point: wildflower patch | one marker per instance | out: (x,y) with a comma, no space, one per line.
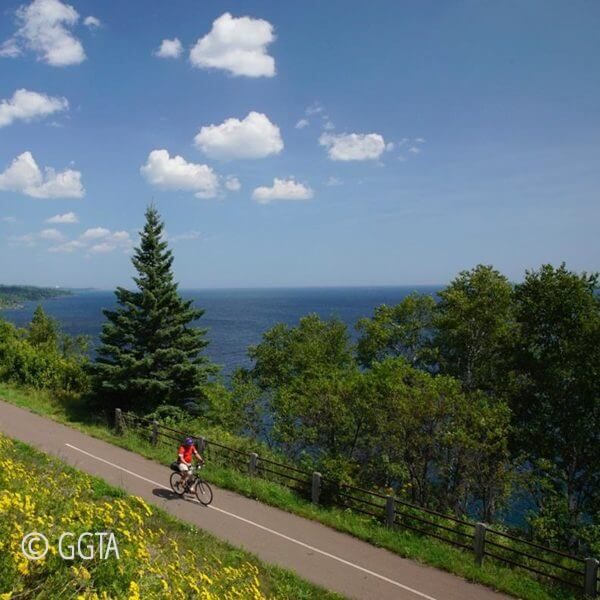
(152,556)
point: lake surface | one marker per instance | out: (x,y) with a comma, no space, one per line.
(235,318)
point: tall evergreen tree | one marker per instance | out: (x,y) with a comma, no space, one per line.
(150,353)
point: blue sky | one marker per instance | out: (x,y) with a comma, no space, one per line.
(440,135)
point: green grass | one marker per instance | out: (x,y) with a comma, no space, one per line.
(429,551)
(200,549)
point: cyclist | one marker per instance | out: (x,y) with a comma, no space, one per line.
(186,452)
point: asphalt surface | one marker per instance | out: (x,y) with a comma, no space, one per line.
(317,553)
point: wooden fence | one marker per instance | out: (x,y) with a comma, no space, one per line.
(574,572)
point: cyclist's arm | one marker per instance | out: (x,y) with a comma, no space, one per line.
(197,455)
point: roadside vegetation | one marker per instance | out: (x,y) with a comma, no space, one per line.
(151,545)
(462,403)
(426,550)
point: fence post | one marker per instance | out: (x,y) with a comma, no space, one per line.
(154,434)
(253,463)
(390,511)
(201,444)
(316,487)
(479,542)
(591,578)
(118,421)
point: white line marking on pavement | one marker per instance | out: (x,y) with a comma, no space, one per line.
(272,531)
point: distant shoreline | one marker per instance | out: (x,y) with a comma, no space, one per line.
(274,288)
(14,297)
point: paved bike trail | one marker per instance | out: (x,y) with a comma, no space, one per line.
(317,553)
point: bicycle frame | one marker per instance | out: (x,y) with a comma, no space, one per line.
(193,476)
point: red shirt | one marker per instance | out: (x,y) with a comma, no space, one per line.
(187,452)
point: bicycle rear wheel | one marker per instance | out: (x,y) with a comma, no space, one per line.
(177,484)
(204,492)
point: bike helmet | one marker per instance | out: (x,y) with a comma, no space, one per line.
(188,442)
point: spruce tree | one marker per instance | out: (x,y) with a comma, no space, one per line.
(150,353)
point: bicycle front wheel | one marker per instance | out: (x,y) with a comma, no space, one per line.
(204,492)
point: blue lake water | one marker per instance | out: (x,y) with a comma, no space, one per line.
(235,318)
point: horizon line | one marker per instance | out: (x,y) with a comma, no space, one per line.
(240,287)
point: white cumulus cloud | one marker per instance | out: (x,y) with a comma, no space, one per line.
(237,45)
(302,123)
(116,240)
(92,22)
(27,106)
(24,176)
(97,240)
(233,183)
(251,138)
(45,28)
(169,49)
(175,173)
(10,49)
(51,235)
(314,109)
(94,233)
(68,246)
(64,219)
(353,146)
(282,189)
(102,248)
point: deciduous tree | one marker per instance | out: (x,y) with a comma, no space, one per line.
(401,330)
(556,393)
(473,324)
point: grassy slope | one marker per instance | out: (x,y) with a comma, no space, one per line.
(161,533)
(426,550)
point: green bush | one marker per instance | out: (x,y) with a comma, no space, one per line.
(25,361)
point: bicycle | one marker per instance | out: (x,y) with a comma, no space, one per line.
(194,482)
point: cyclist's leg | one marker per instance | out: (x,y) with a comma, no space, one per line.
(193,481)
(185,473)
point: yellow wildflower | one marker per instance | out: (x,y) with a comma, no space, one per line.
(134,591)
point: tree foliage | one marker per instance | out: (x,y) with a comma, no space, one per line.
(288,354)
(455,402)
(43,330)
(556,393)
(389,426)
(473,323)
(443,446)
(452,403)
(42,357)
(151,354)
(400,330)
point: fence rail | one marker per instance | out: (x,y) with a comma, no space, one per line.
(483,541)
